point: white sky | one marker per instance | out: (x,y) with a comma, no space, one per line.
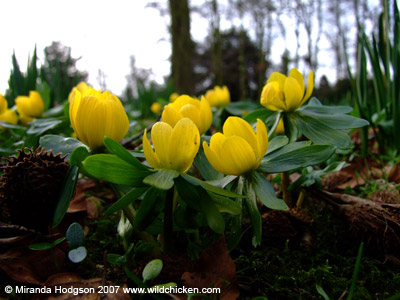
(104,33)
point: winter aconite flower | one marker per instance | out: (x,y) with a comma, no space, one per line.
(3,104)
(174,147)
(29,107)
(286,93)
(218,97)
(95,114)
(238,149)
(187,107)
(7,115)
(156,108)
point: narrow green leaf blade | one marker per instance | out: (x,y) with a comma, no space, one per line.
(321,133)
(211,188)
(225,204)
(149,208)
(122,153)
(65,197)
(111,168)
(127,199)
(298,158)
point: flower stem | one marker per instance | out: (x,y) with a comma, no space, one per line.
(287,196)
(168,221)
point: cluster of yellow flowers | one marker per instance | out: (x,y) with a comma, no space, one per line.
(28,108)
(176,139)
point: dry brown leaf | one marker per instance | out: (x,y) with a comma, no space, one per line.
(28,266)
(73,282)
(215,268)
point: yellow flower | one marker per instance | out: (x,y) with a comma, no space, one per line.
(173,97)
(280,129)
(94,115)
(3,104)
(29,107)
(187,107)
(156,108)
(9,116)
(218,97)
(82,87)
(174,147)
(286,93)
(238,149)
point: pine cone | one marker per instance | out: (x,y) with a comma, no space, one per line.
(30,186)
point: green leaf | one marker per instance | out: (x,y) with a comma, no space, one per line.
(125,200)
(277,142)
(11,126)
(241,108)
(66,195)
(321,291)
(116,259)
(225,204)
(266,194)
(320,133)
(254,213)
(149,208)
(162,179)
(326,110)
(203,165)
(298,158)
(75,235)
(122,153)
(337,121)
(223,182)
(41,246)
(40,126)
(261,114)
(78,155)
(77,255)
(285,149)
(211,188)
(197,198)
(113,169)
(60,144)
(291,130)
(152,269)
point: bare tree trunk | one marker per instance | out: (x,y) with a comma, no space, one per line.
(182,47)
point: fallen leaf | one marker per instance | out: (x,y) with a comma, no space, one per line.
(214,269)
(29,266)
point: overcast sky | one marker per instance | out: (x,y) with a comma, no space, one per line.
(104,33)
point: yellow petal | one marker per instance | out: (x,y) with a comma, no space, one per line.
(272,97)
(90,121)
(116,121)
(151,157)
(184,145)
(310,87)
(3,104)
(294,73)
(262,140)
(170,115)
(213,158)
(293,94)
(9,116)
(75,100)
(279,78)
(37,104)
(238,155)
(206,116)
(183,100)
(192,112)
(235,126)
(161,135)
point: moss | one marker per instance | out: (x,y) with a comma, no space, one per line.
(291,271)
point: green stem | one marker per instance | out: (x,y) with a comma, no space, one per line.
(168,221)
(55,260)
(287,196)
